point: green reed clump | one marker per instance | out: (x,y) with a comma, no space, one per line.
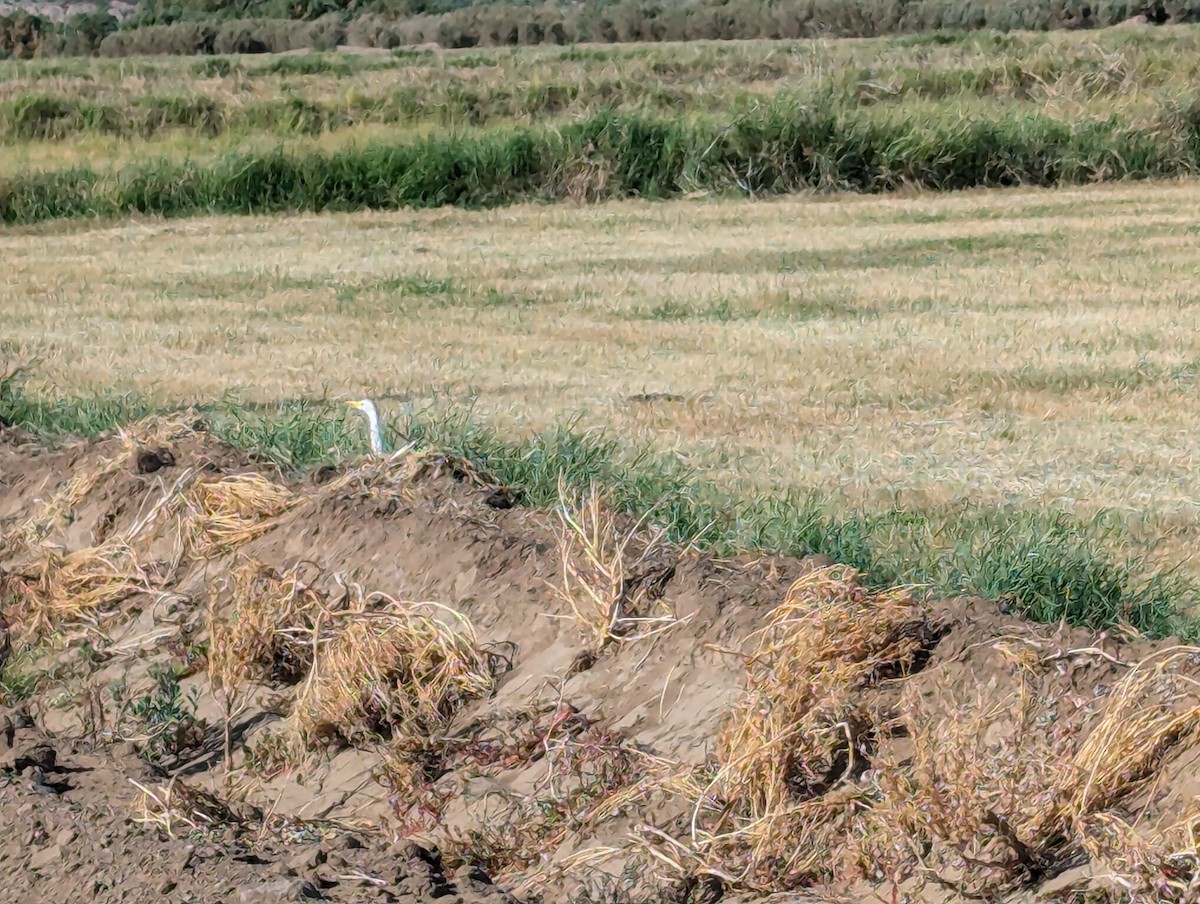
(781,147)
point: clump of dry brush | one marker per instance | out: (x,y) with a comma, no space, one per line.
(219,515)
(366,667)
(615,570)
(786,792)
(838,764)
(384,662)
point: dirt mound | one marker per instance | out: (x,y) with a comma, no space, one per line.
(386,681)
(71,835)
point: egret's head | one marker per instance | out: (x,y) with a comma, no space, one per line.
(363,405)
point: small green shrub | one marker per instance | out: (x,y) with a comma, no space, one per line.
(164,719)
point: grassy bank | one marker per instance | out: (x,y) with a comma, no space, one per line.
(1131,74)
(1047,565)
(784,147)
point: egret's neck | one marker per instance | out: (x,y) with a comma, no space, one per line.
(375,428)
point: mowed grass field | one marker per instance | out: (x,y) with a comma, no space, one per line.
(916,382)
(1030,348)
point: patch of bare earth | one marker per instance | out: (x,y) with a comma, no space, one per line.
(388,682)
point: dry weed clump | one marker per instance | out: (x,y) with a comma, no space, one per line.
(784,793)
(57,511)
(59,508)
(80,587)
(614,576)
(267,637)
(224,513)
(992,796)
(793,748)
(586,767)
(1136,865)
(161,430)
(179,807)
(383,669)
(1154,708)
(584,764)
(394,476)
(952,804)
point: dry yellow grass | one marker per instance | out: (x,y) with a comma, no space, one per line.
(1023,346)
(837,765)
(604,571)
(79,587)
(222,514)
(400,666)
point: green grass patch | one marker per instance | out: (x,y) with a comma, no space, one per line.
(19,678)
(1043,564)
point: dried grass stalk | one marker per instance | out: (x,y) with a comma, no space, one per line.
(77,587)
(1155,707)
(608,574)
(997,794)
(785,793)
(268,635)
(395,669)
(161,429)
(1159,865)
(956,802)
(58,510)
(394,476)
(178,806)
(223,514)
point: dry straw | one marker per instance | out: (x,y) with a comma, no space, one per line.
(265,638)
(389,666)
(80,587)
(58,510)
(161,430)
(609,577)
(267,635)
(790,751)
(179,807)
(393,477)
(222,514)
(1160,865)
(996,793)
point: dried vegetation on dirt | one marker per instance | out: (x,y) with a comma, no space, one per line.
(384,681)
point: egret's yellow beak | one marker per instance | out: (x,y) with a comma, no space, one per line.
(356,405)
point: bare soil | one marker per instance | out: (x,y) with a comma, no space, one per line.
(504,804)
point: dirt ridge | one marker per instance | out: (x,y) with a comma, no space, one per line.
(574,767)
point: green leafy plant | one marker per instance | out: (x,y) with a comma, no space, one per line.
(166,716)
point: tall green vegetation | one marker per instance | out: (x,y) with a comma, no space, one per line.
(201,26)
(781,147)
(1128,72)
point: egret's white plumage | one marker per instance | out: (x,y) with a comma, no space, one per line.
(367,407)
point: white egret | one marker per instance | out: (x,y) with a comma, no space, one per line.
(367,407)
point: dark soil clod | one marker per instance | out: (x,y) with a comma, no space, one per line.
(152,460)
(503,498)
